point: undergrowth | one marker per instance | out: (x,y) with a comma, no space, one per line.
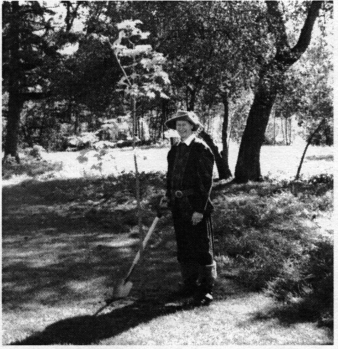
(276,244)
(29,166)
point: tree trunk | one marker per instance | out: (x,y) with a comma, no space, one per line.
(274,128)
(270,79)
(15,105)
(163,118)
(307,145)
(137,178)
(283,129)
(222,169)
(286,130)
(191,99)
(225,170)
(15,101)
(76,123)
(248,163)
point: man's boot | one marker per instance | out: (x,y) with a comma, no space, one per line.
(207,277)
(190,275)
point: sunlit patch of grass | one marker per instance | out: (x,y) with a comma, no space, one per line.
(229,322)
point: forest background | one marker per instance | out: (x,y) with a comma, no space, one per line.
(238,65)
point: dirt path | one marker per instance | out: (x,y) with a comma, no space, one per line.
(58,265)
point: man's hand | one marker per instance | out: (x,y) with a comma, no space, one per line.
(197,218)
(164,203)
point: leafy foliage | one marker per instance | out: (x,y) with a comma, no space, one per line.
(308,88)
(89,77)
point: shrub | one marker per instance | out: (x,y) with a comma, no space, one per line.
(316,185)
(323,178)
(274,240)
(308,279)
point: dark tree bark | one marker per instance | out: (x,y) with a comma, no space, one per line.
(15,102)
(222,167)
(270,81)
(226,172)
(219,161)
(192,98)
(323,121)
(248,163)
(15,105)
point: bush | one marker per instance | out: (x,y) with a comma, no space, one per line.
(323,178)
(274,240)
(308,279)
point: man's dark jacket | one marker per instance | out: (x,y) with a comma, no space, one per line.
(197,175)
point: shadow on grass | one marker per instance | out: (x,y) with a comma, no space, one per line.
(320,157)
(289,314)
(54,257)
(156,301)
(85,330)
(51,248)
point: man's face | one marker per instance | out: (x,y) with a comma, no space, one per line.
(184,128)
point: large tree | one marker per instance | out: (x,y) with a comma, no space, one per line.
(271,79)
(30,53)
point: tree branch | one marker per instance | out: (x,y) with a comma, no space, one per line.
(28,96)
(307,145)
(285,54)
(306,31)
(71,13)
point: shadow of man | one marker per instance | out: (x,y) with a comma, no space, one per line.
(89,329)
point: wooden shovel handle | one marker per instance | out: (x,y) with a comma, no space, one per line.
(144,243)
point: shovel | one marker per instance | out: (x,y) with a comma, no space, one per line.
(124,286)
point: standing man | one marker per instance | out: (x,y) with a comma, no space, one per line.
(189,183)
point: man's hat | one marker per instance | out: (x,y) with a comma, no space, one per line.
(183,115)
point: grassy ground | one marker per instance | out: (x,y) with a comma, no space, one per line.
(62,254)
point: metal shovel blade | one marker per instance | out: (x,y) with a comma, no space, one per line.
(122,289)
